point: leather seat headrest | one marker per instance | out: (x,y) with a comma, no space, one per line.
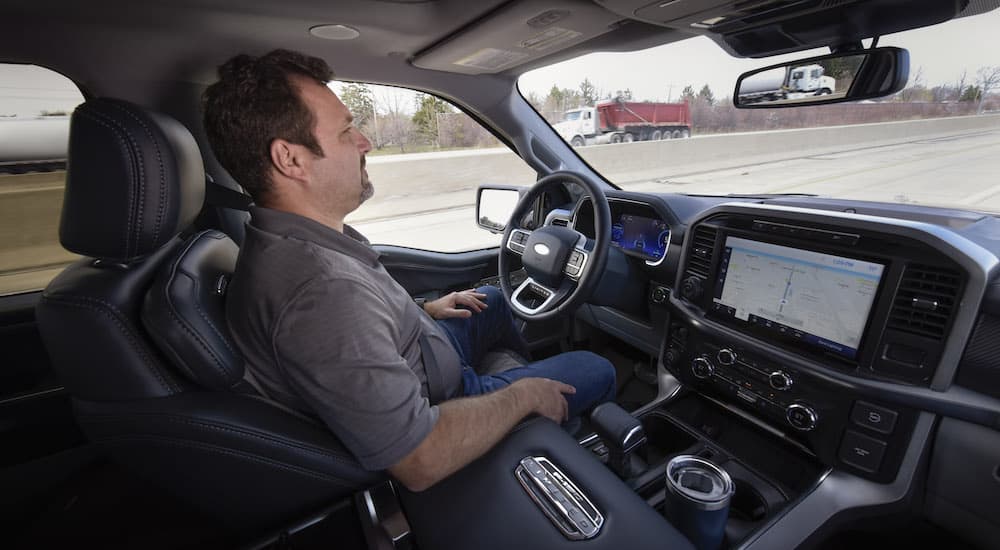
(134,180)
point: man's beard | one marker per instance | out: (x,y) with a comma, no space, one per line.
(367,190)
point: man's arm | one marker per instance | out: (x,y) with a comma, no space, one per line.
(468,427)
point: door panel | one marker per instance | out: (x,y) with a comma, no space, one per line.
(425,273)
(35,415)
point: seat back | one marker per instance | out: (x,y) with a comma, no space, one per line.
(133,180)
(137,333)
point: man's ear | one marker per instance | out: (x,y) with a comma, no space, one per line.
(288,159)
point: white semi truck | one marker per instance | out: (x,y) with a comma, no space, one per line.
(796,82)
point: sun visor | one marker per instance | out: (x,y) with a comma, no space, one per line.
(517,34)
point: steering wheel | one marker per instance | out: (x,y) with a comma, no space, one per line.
(563,265)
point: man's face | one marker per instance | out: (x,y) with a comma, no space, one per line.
(339,178)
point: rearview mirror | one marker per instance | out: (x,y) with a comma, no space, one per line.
(494,206)
(834,78)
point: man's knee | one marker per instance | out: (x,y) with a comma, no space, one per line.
(597,369)
(494,296)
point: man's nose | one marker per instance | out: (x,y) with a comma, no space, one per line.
(364,145)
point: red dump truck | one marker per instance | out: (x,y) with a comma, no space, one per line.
(625,121)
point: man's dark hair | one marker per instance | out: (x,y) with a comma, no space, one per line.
(255,102)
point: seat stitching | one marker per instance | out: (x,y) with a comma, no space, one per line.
(231,429)
(217,450)
(115,316)
(177,318)
(136,205)
(197,304)
(93,117)
(162,172)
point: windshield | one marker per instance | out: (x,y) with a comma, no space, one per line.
(667,123)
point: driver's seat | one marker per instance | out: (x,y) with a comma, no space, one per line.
(137,334)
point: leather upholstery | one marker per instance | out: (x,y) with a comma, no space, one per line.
(138,335)
(89,320)
(185,311)
(233,457)
(134,179)
(483,506)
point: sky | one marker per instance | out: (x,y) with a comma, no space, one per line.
(941,51)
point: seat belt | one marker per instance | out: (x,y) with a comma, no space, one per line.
(220,195)
(435,382)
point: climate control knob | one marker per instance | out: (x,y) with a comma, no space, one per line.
(801,417)
(702,368)
(726,356)
(779,380)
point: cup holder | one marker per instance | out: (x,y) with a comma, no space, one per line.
(747,503)
(663,439)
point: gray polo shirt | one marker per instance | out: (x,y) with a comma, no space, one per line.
(324,328)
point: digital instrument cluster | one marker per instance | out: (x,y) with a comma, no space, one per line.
(645,237)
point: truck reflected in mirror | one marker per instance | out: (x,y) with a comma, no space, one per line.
(832,78)
(494,206)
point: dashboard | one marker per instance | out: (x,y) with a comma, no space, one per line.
(834,325)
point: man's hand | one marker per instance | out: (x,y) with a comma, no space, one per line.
(545,397)
(448,306)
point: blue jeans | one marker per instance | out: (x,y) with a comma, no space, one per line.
(592,375)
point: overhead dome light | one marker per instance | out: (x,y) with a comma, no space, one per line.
(334,32)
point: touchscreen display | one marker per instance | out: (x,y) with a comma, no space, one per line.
(819,299)
(644,237)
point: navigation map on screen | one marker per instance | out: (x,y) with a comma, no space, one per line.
(821,299)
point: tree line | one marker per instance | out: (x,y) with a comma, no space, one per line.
(391,123)
(402,122)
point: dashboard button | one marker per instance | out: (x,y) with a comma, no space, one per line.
(880,419)
(659,295)
(702,368)
(861,451)
(779,380)
(726,356)
(801,417)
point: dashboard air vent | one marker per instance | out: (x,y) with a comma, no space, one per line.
(925,300)
(702,248)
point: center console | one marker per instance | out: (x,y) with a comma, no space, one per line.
(795,322)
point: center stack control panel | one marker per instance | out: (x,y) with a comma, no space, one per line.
(789,319)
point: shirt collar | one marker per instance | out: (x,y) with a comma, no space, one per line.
(287,224)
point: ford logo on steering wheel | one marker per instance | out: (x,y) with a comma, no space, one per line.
(541,249)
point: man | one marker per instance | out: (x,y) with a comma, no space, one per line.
(322,325)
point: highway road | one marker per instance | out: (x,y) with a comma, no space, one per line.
(956,170)
(421,209)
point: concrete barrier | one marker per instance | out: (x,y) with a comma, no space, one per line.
(656,159)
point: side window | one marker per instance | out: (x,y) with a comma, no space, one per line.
(427,160)
(35,105)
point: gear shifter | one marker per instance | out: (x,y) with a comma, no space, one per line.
(622,434)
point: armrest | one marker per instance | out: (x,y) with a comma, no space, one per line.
(484,506)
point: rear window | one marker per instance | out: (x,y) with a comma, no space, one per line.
(35,105)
